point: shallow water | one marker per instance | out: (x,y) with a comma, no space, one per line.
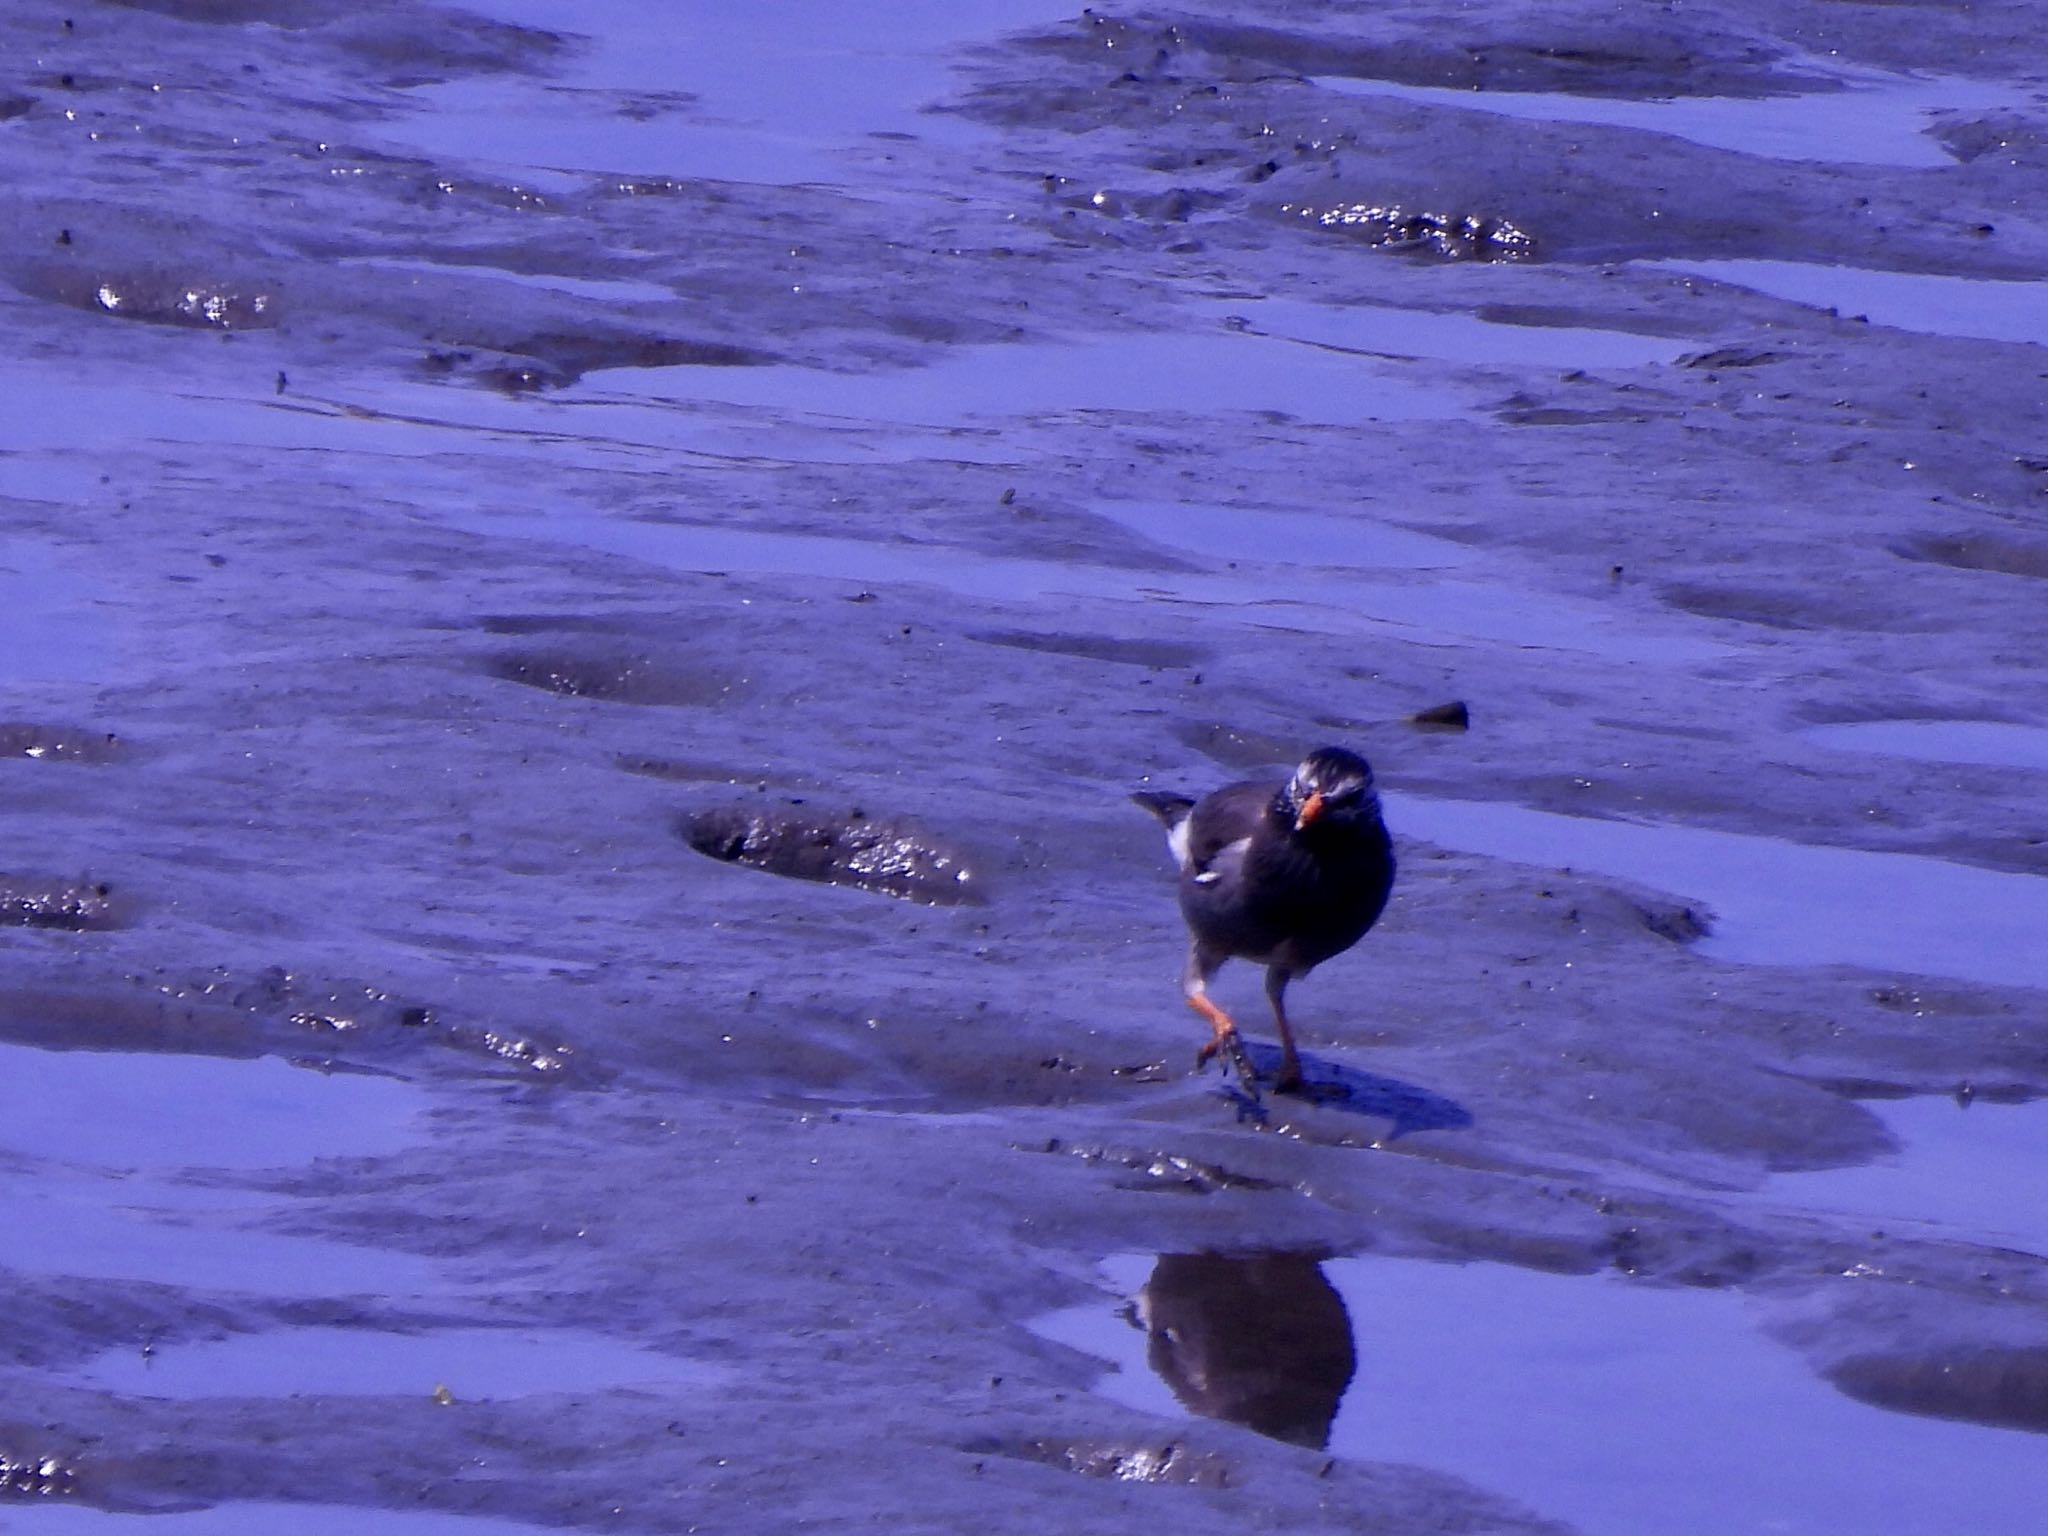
(1200,370)
(1777,902)
(1985,743)
(1984,309)
(48,631)
(1540,1385)
(1973,1171)
(625,289)
(708,91)
(137,1110)
(206,1239)
(1874,119)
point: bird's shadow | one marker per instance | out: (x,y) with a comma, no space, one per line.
(1331,1085)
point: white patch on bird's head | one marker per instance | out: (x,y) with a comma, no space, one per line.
(1340,778)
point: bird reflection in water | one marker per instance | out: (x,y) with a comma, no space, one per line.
(1262,1340)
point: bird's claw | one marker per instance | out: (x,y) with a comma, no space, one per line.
(1232,1044)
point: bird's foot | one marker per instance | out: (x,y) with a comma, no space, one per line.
(1231,1044)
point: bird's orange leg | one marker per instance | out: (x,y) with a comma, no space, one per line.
(1226,1037)
(1221,1022)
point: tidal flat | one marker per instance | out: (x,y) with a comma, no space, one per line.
(584,585)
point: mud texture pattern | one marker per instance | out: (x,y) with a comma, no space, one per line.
(520,523)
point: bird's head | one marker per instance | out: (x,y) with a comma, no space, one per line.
(1331,787)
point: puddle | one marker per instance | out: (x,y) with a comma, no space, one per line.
(49,632)
(76,1125)
(48,1518)
(1209,368)
(1453,338)
(1776,902)
(630,290)
(1616,1406)
(1876,119)
(1986,743)
(1972,1172)
(1982,309)
(202,1239)
(127,1109)
(475,1364)
(705,90)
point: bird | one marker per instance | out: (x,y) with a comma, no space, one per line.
(1286,875)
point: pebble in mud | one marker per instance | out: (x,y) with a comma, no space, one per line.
(58,743)
(157,298)
(892,858)
(36,1477)
(1409,231)
(77,905)
(1454,716)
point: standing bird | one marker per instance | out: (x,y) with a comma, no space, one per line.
(1285,875)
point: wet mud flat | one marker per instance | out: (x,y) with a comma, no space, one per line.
(537,549)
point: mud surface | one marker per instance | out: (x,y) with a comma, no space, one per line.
(457,461)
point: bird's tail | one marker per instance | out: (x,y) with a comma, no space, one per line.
(1170,809)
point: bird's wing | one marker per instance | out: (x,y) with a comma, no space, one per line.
(1212,840)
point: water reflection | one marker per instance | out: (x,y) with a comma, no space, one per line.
(1612,1405)
(1261,1340)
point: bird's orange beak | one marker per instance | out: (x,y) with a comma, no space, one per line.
(1311,810)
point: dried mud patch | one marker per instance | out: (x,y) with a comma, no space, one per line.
(612,679)
(890,857)
(677,770)
(2005,1387)
(548,623)
(1243,751)
(1156,654)
(290,14)
(972,1068)
(1670,58)
(1978,552)
(570,355)
(1790,609)
(1624,911)
(526,364)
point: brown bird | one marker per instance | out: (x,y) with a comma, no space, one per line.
(1285,875)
